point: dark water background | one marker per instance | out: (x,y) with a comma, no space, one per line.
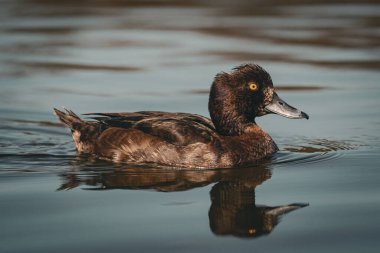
(111,56)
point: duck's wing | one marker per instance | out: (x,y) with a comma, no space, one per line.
(176,128)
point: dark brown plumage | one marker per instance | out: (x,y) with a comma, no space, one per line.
(231,138)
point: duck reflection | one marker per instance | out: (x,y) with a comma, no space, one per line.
(233,209)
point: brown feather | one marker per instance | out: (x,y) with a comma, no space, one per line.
(230,139)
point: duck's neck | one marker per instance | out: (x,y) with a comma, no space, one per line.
(225,114)
(231,124)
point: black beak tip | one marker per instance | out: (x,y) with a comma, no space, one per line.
(304,115)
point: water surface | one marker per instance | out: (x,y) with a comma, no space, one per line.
(320,193)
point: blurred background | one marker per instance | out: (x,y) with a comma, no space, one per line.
(114,55)
(95,55)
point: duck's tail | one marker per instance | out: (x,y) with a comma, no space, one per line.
(69,118)
(84,132)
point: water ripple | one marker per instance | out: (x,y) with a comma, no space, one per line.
(294,158)
(313,151)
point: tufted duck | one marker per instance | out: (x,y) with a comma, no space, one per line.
(230,139)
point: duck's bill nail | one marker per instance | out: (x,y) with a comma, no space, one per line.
(280,107)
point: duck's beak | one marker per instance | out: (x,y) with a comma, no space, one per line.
(280,107)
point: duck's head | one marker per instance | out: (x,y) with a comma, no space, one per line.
(247,92)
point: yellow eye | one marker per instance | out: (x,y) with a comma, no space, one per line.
(253,86)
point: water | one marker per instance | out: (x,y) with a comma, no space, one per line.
(320,193)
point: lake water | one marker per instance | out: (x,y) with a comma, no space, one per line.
(319,193)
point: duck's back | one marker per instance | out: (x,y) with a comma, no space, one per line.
(180,129)
(176,139)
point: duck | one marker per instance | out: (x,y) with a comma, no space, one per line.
(229,138)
